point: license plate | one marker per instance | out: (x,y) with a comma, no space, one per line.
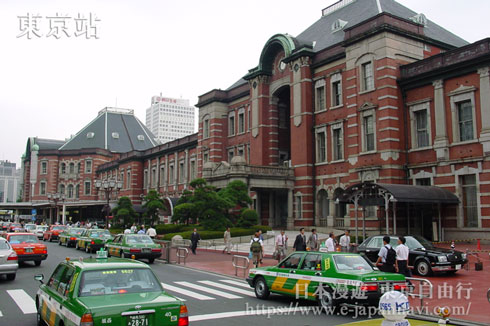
(28,249)
(146,250)
(458,266)
(138,320)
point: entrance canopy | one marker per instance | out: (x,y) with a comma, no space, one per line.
(373,194)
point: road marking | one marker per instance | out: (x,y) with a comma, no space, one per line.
(186,292)
(1,315)
(237,283)
(268,312)
(23,300)
(229,288)
(212,291)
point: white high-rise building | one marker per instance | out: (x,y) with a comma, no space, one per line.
(170,118)
(9,182)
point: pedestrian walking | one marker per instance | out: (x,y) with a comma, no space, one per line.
(386,256)
(195,237)
(330,242)
(300,241)
(151,232)
(256,248)
(313,242)
(402,251)
(345,242)
(134,228)
(281,245)
(227,240)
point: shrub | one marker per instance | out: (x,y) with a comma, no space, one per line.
(248,218)
(116,230)
(169,228)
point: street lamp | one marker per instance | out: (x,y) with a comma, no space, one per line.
(108,186)
(54,198)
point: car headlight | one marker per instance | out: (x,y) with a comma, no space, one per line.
(442,259)
(463,256)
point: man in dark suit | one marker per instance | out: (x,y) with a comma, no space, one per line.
(195,237)
(300,241)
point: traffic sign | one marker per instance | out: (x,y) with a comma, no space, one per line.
(34,212)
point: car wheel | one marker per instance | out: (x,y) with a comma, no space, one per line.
(40,321)
(423,268)
(326,301)
(11,277)
(87,249)
(261,288)
(151,260)
(77,247)
(37,262)
(59,242)
(121,254)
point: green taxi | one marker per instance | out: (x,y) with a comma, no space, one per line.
(106,291)
(69,237)
(331,278)
(92,240)
(139,246)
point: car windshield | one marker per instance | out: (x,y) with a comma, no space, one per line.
(118,281)
(76,231)
(17,225)
(138,239)
(23,238)
(351,262)
(416,242)
(4,245)
(100,234)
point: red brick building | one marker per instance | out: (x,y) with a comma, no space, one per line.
(371,96)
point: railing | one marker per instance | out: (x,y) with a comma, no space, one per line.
(425,290)
(182,253)
(339,222)
(236,259)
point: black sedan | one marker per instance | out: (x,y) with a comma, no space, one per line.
(424,258)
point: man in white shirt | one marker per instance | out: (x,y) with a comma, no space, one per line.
(127,230)
(330,243)
(345,242)
(402,251)
(281,245)
(151,232)
(227,240)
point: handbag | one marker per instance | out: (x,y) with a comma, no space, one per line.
(250,254)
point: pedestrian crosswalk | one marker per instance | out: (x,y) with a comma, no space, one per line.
(204,290)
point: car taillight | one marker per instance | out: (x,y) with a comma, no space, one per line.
(73,238)
(92,242)
(184,316)
(12,256)
(135,250)
(87,320)
(400,286)
(45,250)
(155,249)
(369,287)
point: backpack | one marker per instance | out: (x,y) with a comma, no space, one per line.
(390,256)
(255,247)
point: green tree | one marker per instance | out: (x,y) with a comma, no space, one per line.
(203,202)
(236,192)
(124,211)
(248,218)
(154,204)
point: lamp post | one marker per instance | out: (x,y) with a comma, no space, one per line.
(54,198)
(108,186)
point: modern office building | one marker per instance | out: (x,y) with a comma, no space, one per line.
(9,182)
(170,118)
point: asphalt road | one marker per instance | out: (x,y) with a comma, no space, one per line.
(212,299)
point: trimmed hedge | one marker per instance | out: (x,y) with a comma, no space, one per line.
(207,235)
(116,230)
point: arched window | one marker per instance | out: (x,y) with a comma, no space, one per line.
(72,168)
(70,189)
(63,168)
(77,190)
(323,204)
(62,189)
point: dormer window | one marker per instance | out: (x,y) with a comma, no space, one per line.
(90,135)
(141,137)
(419,19)
(115,135)
(338,25)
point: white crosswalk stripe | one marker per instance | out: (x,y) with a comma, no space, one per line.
(23,301)
(180,291)
(237,283)
(229,288)
(208,290)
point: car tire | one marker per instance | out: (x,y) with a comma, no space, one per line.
(11,277)
(423,268)
(327,301)
(37,262)
(59,242)
(77,247)
(40,321)
(87,249)
(261,289)
(121,254)
(151,260)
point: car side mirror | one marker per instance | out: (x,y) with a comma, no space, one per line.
(39,277)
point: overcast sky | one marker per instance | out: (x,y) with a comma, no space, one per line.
(51,88)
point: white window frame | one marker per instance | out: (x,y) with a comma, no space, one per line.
(298,203)
(181,171)
(318,131)
(87,191)
(336,78)
(456,97)
(337,126)
(171,174)
(153,177)
(145,179)
(88,166)
(241,117)
(63,168)
(41,184)
(128,179)
(192,169)
(318,85)
(206,127)
(44,167)
(231,124)
(365,114)
(413,123)
(162,174)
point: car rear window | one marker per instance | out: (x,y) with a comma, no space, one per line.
(23,238)
(4,245)
(118,281)
(59,227)
(138,239)
(351,262)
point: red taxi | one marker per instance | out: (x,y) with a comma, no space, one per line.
(27,247)
(53,233)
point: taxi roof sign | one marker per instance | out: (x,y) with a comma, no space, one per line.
(101,254)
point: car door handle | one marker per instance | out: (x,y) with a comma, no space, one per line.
(318,274)
(292,271)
